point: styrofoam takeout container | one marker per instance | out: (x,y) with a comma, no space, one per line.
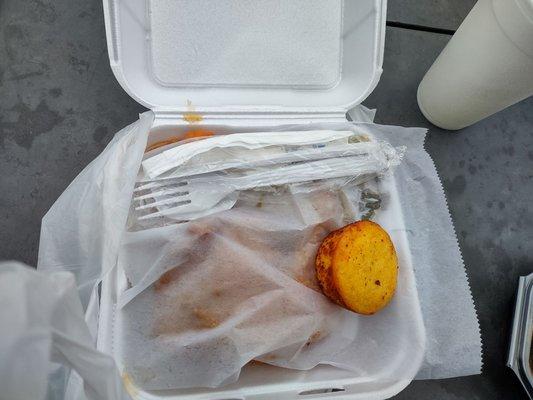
(246,65)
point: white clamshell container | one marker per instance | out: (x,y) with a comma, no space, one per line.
(244,66)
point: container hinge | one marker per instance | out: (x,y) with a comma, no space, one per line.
(251,118)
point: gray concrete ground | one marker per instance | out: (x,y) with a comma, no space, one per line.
(60,105)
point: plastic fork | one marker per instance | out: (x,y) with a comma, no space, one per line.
(182,198)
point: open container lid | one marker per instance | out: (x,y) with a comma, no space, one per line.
(246,55)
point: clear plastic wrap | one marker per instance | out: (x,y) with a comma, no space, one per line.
(251,149)
(186,198)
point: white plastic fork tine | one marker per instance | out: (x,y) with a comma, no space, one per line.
(159,183)
(176,191)
(162,213)
(144,187)
(163,179)
(161,203)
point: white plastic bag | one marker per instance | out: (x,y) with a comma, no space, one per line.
(81,232)
(42,324)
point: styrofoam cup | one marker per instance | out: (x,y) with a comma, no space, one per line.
(485,67)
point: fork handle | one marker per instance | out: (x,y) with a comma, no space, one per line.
(309,171)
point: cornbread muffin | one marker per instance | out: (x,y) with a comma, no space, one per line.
(357,267)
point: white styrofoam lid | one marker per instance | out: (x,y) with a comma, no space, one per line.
(246,55)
